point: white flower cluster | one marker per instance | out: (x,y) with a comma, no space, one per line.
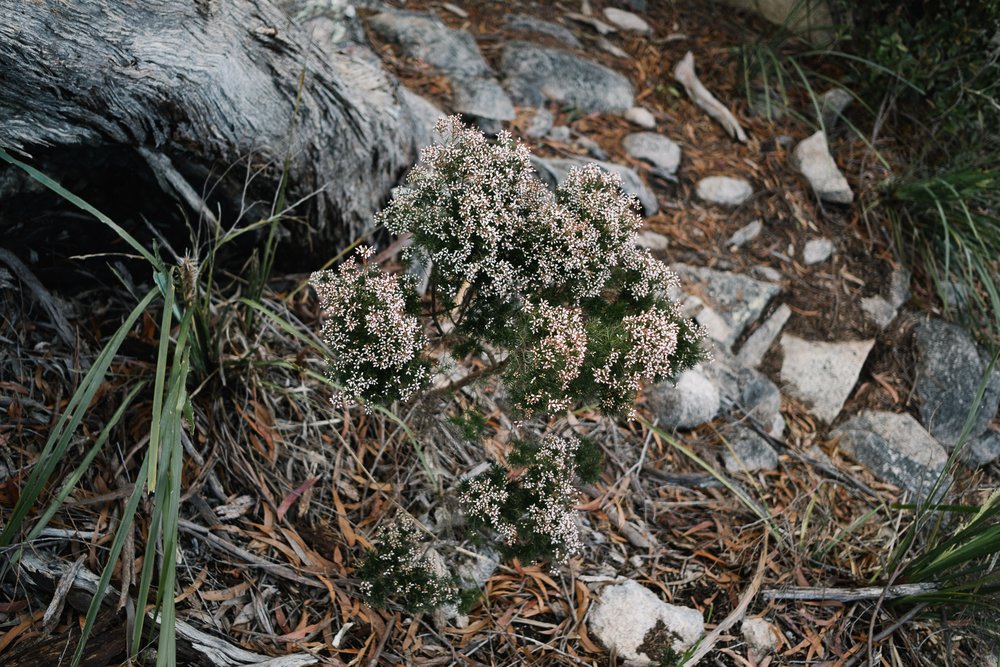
(548,481)
(376,346)
(468,205)
(405,571)
(594,233)
(483,499)
(480,214)
(557,356)
(552,479)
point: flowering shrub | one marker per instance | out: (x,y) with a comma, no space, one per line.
(528,504)
(550,288)
(553,280)
(399,568)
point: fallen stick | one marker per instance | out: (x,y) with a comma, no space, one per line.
(850,594)
(684,74)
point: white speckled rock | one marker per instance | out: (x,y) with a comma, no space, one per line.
(759,636)
(812,158)
(627,612)
(641,116)
(816,251)
(693,401)
(724,191)
(822,374)
(651,240)
(653,148)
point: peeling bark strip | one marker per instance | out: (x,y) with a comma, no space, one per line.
(207,82)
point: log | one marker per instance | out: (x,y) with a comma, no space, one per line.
(199,86)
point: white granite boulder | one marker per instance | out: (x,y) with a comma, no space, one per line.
(628,612)
(822,374)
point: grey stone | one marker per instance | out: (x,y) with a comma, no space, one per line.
(950,368)
(553,172)
(760,636)
(559,133)
(565,78)
(744,235)
(525,23)
(748,451)
(767,273)
(641,116)
(474,568)
(653,148)
(694,400)
(452,52)
(651,240)
(878,310)
(822,374)
(812,158)
(423,114)
(983,450)
(540,124)
(896,448)
(625,614)
(455,54)
(724,190)
(598,25)
(832,105)
(626,20)
(760,341)
(746,392)
(882,309)
(816,251)
(482,98)
(737,298)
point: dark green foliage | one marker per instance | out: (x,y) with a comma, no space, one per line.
(472,424)
(589,461)
(943,56)
(399,570)
(527,505)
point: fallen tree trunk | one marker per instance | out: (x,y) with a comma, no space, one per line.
(200,86)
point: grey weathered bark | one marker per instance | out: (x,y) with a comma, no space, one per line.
(207,83)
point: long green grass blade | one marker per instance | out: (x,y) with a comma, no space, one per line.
(59,440)
(161,371)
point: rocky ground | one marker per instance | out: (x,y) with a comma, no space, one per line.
(834,390)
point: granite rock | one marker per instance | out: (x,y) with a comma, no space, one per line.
(896,448)
(564,78)
(653,148)
(950,368)
(724,190)
(627,612)
(812,158)
(822,374)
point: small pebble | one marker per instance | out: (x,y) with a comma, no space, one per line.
(816,251)
(641,117)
